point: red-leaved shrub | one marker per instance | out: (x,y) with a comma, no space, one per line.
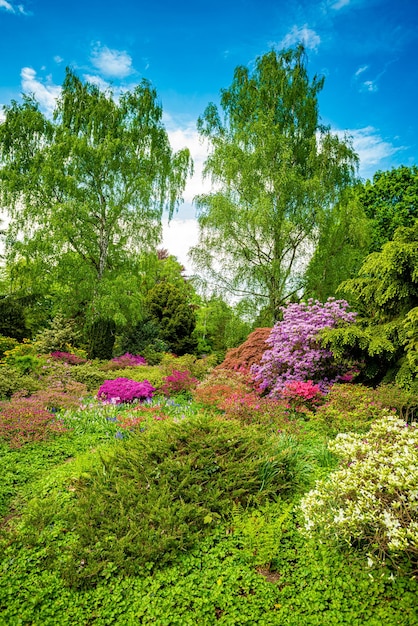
(25,420)
(249,353)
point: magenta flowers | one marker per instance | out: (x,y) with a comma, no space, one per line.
(295,352)
(123,390)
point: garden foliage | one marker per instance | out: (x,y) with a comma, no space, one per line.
(373,498)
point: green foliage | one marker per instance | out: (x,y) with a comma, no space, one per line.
(12,318)
(101,339)
(390,201)
(60,334)
(219,327)
(86,191)
(383,340)
(13,380)
(90,374)
(342,245)
(276,169)
(171,309)
(352,408)
(7,343)
(155,495)
(198,367)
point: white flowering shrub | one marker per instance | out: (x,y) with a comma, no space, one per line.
(373,496)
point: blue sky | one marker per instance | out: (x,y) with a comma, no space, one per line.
(367,50)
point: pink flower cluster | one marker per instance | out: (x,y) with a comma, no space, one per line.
(295,353)
(127,360)
(67,357)
(178,382)
(124,390)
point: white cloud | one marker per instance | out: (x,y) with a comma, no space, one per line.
(305,35)
(186,136)
(45,94)
(370,85)
(372,149)
(98,81)
(340,4)
(178,237)
(2,114)
(361,69)
(58,59)
(116,63)
(11,8)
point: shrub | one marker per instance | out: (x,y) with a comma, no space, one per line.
(89,374)
(295,353)
(142,503)
(349,408)
(7,343)
(249,353)
(199,368)
(123,390)
(221,385)
(126,360)
(24,358)
(12,380)
(61,334)
(25,420)
(67,357)
(301,394)
(373,497)
(178,382)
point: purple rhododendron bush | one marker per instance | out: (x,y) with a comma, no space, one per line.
(123,390)
(295,354)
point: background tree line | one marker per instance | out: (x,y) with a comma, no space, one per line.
(288,219)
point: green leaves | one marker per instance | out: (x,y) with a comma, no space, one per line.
(87,190)
(276,169)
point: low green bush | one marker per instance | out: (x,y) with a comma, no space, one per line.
(153,496)
(90,375)
(13,380)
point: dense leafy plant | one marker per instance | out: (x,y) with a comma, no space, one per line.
(373,497)
(178,382)
(155,495)
(295,353)
(121,390)
(248,353)
(128,360)
(300,394)
(25,420)
(13,380)
(198,367)
(67,357)
(7,343)
(384,339)
(221,385)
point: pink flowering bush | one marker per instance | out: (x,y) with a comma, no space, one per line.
(129,360)
(67,357)
(301,394)
(295,353)
(123,390)
(178,382)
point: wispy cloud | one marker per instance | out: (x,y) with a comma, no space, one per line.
(369,85)
(305,35)
(361,69)
(372,148)
(45,93)
(17,9)
(98,81)
(58,59)
(112,63)
(340,4)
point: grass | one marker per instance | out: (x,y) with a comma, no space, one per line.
(185,518)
